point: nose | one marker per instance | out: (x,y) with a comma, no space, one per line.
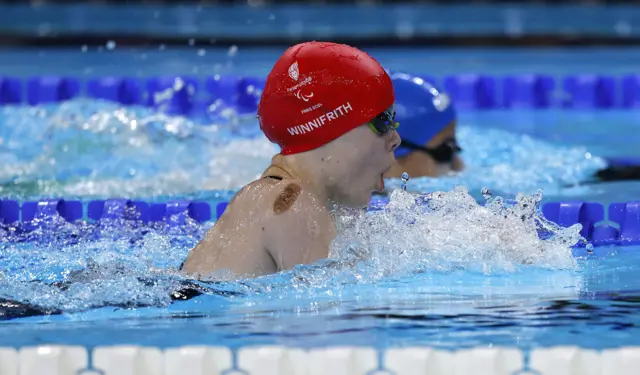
(393,141)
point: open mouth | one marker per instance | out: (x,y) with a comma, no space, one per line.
(380,184)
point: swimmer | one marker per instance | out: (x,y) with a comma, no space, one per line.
(330,108)
(429,148)
(428,129)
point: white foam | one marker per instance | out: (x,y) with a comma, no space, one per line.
(452,231)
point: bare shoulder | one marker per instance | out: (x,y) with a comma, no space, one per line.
(267,197)
(268,226)
(234,243)
(298,228)
(289,201)
(277,198)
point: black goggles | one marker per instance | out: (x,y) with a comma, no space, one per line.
(384,122)
(443,153)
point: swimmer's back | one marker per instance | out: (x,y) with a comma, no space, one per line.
(270,225)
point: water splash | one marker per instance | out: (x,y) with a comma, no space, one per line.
(447,230)
(114,263)
(439,236)
(486,193)
(405,180)
(95,148)
(443,232)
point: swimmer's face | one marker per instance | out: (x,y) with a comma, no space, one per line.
(357,161)
(456,164)
(418,163)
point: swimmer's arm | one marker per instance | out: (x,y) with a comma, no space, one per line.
(301,235)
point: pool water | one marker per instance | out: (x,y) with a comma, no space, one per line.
(458,275)
(592,306)
(54,151)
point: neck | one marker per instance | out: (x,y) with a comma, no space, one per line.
(311,179)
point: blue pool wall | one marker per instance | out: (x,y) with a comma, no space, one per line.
(310,21)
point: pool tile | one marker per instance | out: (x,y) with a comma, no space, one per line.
(53,360)
(197,360)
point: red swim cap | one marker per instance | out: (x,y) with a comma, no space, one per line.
(317,91)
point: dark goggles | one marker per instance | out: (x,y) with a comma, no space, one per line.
(443,153)
(384,122)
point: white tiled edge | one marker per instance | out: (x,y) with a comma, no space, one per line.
(278,360)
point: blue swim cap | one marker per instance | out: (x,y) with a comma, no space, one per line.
(421,109)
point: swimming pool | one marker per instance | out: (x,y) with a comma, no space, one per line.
(476,294)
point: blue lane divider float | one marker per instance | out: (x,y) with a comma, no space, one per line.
(620,226)
(113,209)
(567,214)
(223,87)
(175,213)
(220,207)
(223,92)
(527,91)
(249,92)
(189,95)
(10,91)
(9,212)
(631,91)
(471,91)
(32,214)
(46,90)
(127,91)
(176,95)
(627,215)
(71,211)
(590,91)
